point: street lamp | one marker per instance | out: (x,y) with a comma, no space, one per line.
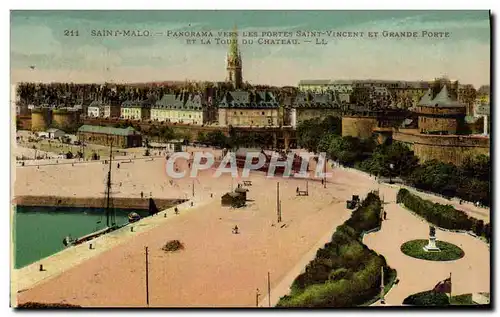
(391,167)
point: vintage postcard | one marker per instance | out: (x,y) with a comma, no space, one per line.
(250,159)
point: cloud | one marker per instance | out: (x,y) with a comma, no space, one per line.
(464,56)
(29,39)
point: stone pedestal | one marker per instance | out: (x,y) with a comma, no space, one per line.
(431,246)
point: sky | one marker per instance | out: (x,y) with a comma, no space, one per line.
(38,39)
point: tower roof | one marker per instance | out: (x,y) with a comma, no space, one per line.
(426,99)
(443,99)
(233,46)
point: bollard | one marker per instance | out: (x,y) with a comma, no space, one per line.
(131,229)
(41,267)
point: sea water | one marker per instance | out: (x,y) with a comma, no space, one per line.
(38,232)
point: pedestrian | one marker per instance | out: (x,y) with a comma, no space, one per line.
(142,195)
(176,211)
(385,215)
(118,166)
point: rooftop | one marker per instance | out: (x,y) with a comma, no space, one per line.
(443,99)
(108,130)
(250,100)
(182,101)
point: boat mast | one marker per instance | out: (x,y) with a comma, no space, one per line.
(108,187)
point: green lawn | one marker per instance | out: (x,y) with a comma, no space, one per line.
(449,252)
(465,299)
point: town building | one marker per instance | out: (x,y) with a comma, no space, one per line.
(396,93)
(120,138)
(136,110)
(441,132)
(249,109)
(95,109)
(112,110)
(55,133)
(442,114)
(316,85)
(467,96)
(309,105)
(184,108)
(483,93)
(483,110)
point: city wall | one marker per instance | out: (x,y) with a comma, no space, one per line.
(64,120)
(285,134)
(40,119)
(93,202)
(24,122)
(445,148)
(358,126)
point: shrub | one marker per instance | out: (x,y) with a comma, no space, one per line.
(444,216)
(173,245)
(428,298)
(345,272)
(35,305)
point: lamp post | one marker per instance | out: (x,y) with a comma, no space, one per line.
(391,167)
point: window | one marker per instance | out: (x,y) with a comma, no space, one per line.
(262,112)
(241,112)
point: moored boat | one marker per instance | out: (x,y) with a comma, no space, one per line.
(133,217)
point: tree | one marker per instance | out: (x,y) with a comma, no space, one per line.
(310,132)
(398,155)
(476,167)
(167,133)
(201,137)
(217,138)
(436,176)
(347,150)
(473,189)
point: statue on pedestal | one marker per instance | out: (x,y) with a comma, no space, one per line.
(431,246)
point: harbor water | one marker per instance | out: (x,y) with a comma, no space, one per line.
(38,232)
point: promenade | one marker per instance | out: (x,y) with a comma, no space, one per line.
(218,268)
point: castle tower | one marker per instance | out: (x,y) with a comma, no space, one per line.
(442,114)
(233,62)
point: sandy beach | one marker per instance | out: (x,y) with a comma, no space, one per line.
(218,268)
